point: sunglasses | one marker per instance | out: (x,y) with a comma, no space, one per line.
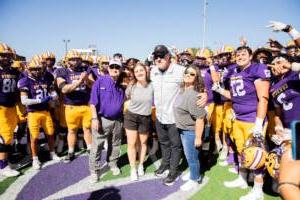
(159,56)
(114,67)
(190,73)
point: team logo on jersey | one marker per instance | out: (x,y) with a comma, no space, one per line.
(267,73)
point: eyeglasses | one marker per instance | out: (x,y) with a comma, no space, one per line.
(190,73)
(114,67)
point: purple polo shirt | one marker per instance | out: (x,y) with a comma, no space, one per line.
(107,97)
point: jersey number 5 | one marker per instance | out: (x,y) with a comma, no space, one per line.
(286,106)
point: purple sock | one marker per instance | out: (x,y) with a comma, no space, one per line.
(230,158)
(3,164)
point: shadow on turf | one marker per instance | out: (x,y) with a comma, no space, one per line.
(110,193)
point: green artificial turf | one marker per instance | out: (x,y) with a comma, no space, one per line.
(216,190)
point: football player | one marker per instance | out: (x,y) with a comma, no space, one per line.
(8,114)
(37,90)
(249,92)
(185,58)
(49,61)
(285,93)
(73,83)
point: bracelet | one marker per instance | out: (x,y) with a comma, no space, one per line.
(288,183)
(94,118)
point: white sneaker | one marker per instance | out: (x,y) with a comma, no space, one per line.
(223,154)
(189,185)
(94,178)
(133,175)
(60,146)
(36,164)
(186,176)
(223,163)
(254,194)
(115,171)
(233,170)
(8,172)
(140,170)
(54,156)
(239,182)
(219,145)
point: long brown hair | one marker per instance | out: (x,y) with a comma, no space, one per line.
(199,82)
(134,81)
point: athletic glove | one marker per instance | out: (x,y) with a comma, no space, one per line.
(278,26)
(46,99)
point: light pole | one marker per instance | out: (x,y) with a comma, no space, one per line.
(66,41)
(204,22)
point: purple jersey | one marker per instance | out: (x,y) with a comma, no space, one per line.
(286,94)
(212,97)
(81,95)
(243,91)
(95,71)
(8,87)
(37,89)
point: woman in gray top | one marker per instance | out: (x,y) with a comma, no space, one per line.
(190,122)
(137,119)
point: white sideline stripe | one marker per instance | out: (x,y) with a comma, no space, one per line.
(87,187)
(13,190)
(180,195)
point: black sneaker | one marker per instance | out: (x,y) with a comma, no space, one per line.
(69,158)
(162,171)
(170,179)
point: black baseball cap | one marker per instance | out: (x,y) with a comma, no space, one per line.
(160,50)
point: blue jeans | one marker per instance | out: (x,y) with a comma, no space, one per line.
(191,153)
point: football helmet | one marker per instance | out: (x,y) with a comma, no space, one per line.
(262,55)
(18,65)
(273,162)
(88,59)
(35,62)
(73,54)
(226,49)
(5,49)
(204,53)
(103,59)
(254,153)
(48,55)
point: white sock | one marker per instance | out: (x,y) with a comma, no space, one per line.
(71,150)
(258,186)
(88,146)
(35,158)
(52,153)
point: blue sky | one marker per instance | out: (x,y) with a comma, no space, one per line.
(134,27)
